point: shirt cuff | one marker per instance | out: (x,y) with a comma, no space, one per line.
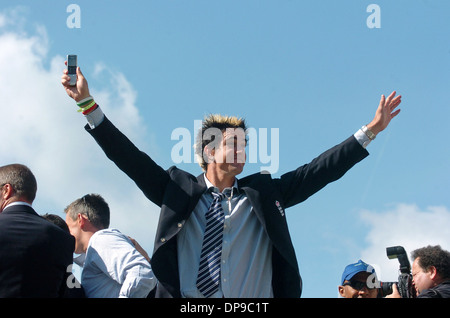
(95,117)
(362,138)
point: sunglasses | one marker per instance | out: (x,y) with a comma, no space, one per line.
(357,285)
(85,203)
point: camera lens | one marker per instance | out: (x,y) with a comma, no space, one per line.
(386,288)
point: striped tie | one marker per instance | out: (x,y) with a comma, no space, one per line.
(209,269)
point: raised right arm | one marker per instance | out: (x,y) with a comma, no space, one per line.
(148,176)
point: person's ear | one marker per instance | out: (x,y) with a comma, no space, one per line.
(208,154)
(341,291)
(432,272)
(82,220)
(7,191)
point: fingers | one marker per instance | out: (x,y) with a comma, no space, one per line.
(391,101)
(65,79)
(390,97)
(79,74)
(394,287)
(382,101)
(395,113)
(392,94)
(395,103)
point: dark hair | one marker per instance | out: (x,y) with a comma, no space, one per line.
(21,180)
(433,256)
(94,207)
(57,220)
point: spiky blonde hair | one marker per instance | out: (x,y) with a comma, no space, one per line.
(217,121)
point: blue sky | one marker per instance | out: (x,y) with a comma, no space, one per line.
(314,70)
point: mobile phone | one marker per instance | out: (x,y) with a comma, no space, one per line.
(72,69)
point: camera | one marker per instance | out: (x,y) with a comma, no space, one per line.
(404,284)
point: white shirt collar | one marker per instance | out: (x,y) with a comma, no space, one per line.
(210,185)
(17,203)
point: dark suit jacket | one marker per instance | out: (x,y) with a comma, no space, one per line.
(34,254)
(178,192)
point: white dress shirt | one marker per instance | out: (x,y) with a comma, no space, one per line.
(246,267)
(114,268)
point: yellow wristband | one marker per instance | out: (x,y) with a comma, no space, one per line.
(83,109)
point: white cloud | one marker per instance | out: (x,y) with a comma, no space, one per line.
(41,128)
(405,225)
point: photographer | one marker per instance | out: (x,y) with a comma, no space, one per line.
(358,281)
(431,273)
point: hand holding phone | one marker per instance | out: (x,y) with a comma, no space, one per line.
(74,81)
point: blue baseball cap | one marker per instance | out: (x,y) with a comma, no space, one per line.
(355,268)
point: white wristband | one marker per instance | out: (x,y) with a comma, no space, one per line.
(84,100)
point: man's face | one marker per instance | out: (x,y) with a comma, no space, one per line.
(422,280)
(230,156)
(357,287)
(75,231)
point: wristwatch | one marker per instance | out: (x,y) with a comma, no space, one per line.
(368,132)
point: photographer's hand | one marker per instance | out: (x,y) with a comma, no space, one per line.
(395,293)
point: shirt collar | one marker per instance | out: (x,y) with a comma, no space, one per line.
(213,188)
(17,203)
(79,259)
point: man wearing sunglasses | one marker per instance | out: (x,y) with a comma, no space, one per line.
(358,281)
